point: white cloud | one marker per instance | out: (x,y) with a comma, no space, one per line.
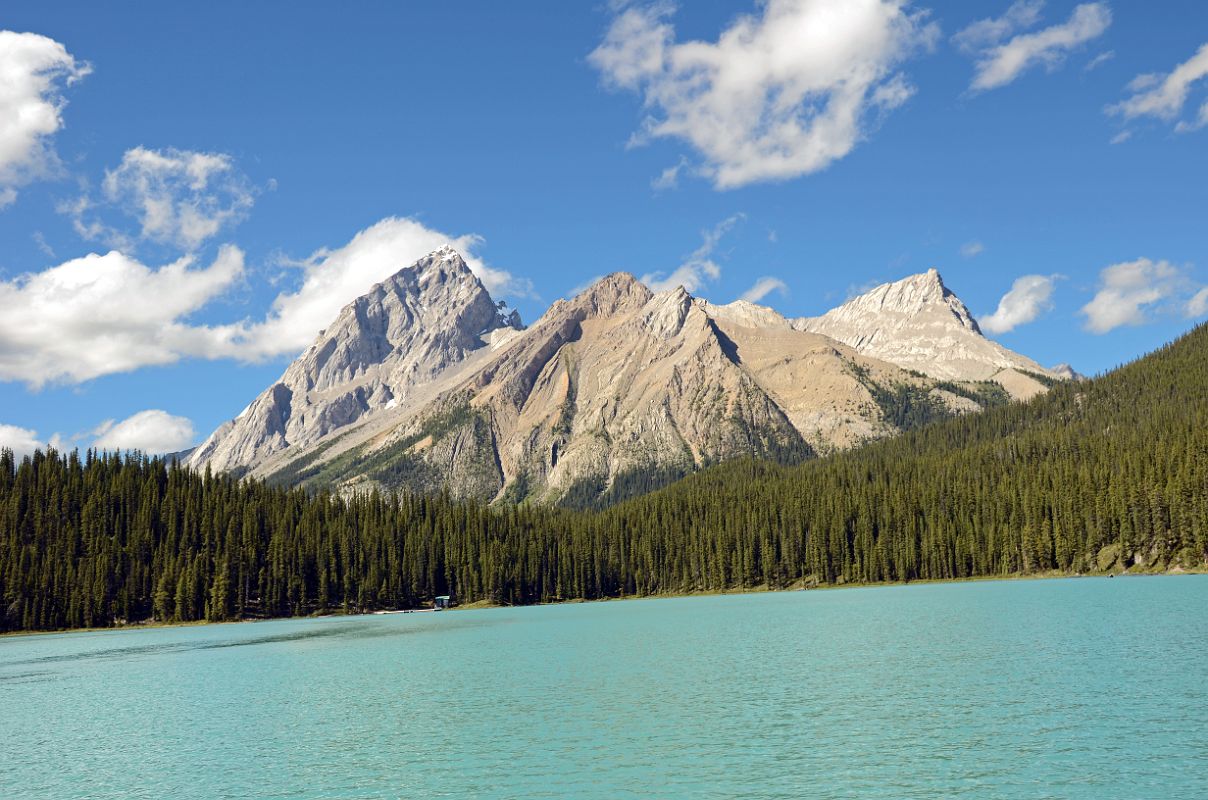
(1099,60)
(988,32)
(972,249)
(1001,62)
(699,268)
(1029,297)
(43,245)
(22,441)
(180,197)
(669,178)
(778,95)
(33,69)
(334,278)
(102,314)
(153,432)
(763,287)
(1164,96)
(1128,291)
(1197,306)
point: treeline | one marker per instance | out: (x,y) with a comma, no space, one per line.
(1108,473)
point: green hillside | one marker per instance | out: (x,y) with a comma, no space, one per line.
(1105,474)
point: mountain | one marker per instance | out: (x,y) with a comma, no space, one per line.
(424,384)
(1101,476)
(377,353)
(918,323)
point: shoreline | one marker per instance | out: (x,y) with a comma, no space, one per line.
(480,605)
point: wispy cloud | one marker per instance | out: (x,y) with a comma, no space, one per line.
(972,249)
(1099,60)
(992,31)
(669,178)
(1000,60)
(1165,96)
(763,287)
(699,268)
(179,197)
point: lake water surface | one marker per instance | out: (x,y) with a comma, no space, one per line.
(1085,688)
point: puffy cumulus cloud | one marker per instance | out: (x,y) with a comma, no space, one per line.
(1164,96)
(22,441)
(1029,297)
(1197,306)
(333,278)
(1129,291)
(152,431)
(763,287)
(179,197)
(102,314)
(699,268)
(1000,60)
(780,94)
(33,71)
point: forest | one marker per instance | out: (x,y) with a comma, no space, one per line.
(1100,475)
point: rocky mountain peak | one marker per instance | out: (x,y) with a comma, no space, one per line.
(748,314)
(909,296)
(666,312)
(613,294)
(381,348)
(919,324)
(427,374)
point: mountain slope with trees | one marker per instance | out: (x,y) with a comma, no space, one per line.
(1110,473)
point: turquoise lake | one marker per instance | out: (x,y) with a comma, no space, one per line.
(1080,688)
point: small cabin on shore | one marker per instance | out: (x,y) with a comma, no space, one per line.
(442,602)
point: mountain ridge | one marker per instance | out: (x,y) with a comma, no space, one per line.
(424,383)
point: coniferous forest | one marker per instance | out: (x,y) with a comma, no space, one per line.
(1105,474)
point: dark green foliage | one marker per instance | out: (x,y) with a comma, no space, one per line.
(300,470)
(1105,473)
(597,493)
(986,394)
(1045,380)
(903,405)
(394,466)
(907,406)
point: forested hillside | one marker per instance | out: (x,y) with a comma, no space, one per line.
(1108,473)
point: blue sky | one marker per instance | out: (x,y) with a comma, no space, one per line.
(820,150)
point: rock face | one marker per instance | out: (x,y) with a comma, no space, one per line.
(380,348)
(424,384)
(917,323)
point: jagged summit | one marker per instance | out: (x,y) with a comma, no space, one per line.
(919,324)
(379,350)
(751,315)
(425,382)
(912,295)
